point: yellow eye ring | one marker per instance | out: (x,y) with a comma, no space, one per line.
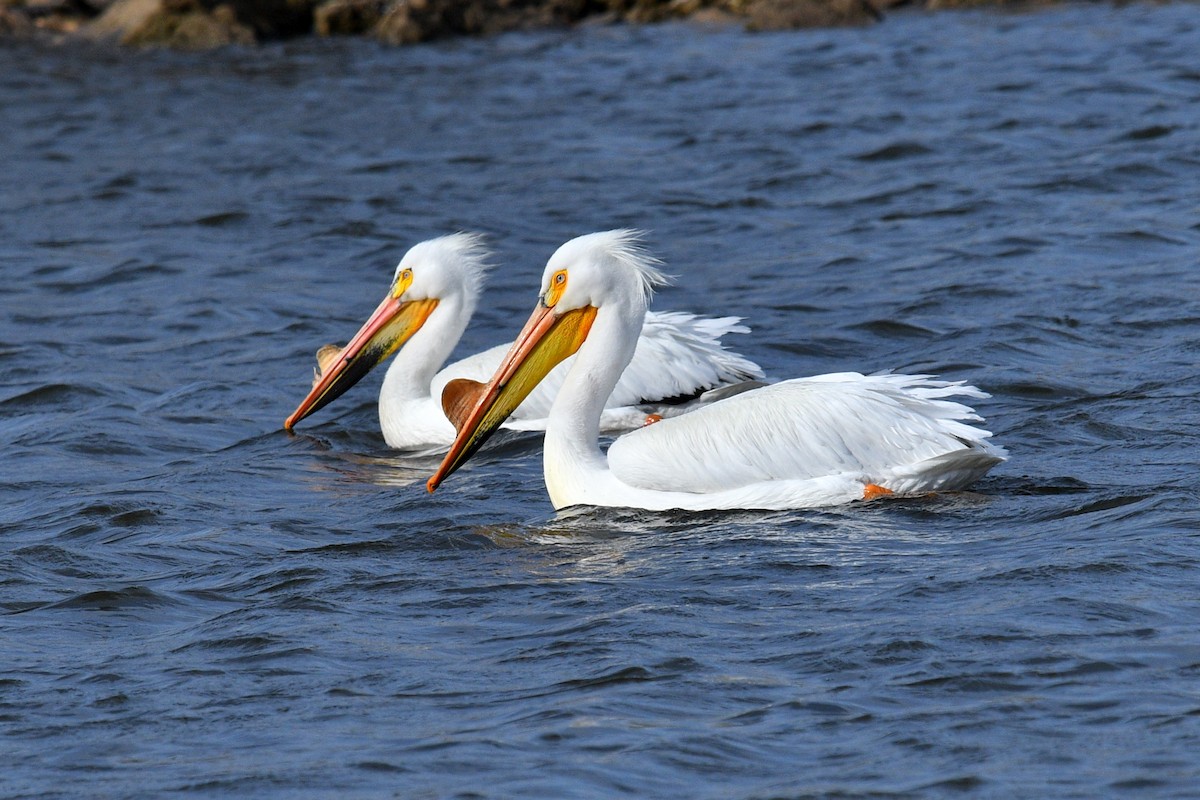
(403,280)
(558,285)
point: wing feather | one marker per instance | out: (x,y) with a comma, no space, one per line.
(843,423)
(678,355)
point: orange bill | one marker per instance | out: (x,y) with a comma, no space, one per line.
(389,327)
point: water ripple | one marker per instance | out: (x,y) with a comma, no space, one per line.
(195,601)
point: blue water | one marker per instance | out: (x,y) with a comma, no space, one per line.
(198,604)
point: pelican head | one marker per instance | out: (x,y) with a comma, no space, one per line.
(607,270)
(431,272)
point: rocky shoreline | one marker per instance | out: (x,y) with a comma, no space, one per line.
(204,24)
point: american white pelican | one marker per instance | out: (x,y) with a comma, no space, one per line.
(800,443)
(433,294)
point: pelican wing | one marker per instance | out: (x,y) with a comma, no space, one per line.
(678,355)
(880,427)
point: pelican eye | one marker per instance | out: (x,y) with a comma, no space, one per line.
(558,285)
(403,280)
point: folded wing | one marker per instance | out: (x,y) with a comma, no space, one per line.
(880,427)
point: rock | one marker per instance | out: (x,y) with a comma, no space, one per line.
(769,15)
(714,16)
(198,30)
(121,18)
(656,11)
(14,23)
(200,24)
(272,19)
(411,21)
(180,24)
(25,17)
(346,17)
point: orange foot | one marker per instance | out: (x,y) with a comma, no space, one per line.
(651,419)
(873,491)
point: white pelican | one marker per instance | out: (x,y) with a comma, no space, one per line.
(433,294)
(809,442)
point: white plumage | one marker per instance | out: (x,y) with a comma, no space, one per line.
(678,355)
(896,431)
(808,442)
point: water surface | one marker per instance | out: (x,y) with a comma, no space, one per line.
(196,603)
